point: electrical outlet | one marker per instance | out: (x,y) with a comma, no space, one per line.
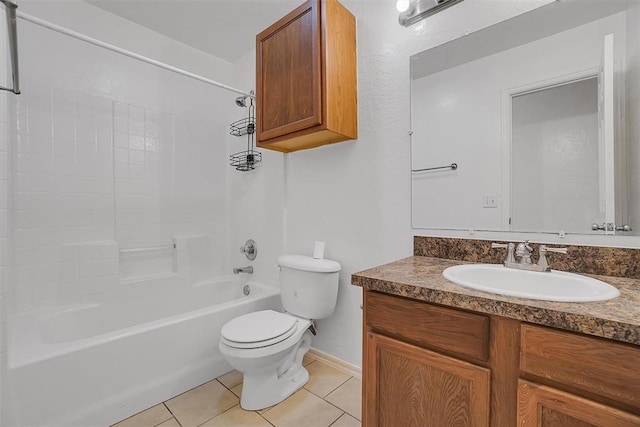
(490,201)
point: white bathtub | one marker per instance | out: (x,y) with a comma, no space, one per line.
(95,364)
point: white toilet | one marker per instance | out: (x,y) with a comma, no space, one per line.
(267,346)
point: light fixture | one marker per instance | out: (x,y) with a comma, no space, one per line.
(417,10)
(404,6)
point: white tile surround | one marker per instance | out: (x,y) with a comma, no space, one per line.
(103,159)
(94,176)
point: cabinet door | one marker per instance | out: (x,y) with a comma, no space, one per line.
(542,406)
(595,365)
(410,386)
(288,71)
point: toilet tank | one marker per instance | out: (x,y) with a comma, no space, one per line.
(308,286)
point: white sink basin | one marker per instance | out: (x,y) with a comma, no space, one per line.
(548,286)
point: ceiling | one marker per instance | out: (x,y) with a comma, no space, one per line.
(222,28)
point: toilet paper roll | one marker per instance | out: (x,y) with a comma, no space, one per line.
(318,250)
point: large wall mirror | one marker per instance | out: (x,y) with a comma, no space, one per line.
(540,115)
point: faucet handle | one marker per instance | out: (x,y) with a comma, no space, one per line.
(249,249)
(542,260)
(510,249)
(525,248)
(523,252)
(544,248)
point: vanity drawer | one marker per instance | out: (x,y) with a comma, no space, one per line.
(595,365)
(428,325)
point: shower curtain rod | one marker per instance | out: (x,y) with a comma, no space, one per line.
(125,52)
(10,10)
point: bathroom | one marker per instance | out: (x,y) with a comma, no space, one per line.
(190,196)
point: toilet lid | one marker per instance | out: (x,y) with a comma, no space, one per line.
(255,328)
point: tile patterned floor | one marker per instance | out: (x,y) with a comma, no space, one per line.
(330,398)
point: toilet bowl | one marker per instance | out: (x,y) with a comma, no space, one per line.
(268,346)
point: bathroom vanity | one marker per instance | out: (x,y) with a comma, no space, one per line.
(436,353)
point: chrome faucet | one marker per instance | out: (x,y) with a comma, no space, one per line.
(523,255)
(542,260)
(510,251)
(238,270)
(523,252)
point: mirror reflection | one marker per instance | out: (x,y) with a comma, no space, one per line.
(540,114)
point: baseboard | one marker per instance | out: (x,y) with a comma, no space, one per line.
(346,367)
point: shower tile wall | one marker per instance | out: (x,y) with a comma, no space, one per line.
(201,190)
(96,178)
(63,195)
(165,173)
(143,182)
(103,159)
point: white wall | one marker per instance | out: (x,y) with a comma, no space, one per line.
(356,195)
(256,198)
(92,21)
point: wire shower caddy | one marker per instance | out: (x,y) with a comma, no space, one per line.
(248,159)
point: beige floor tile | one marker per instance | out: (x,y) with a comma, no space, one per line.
(346,421)
(237,416)
(147,418)
(170,423)
(323,379)
(348,397)
(262,411)
(201,404)
(237,390)
(302,409)
(231,379)
(307,359)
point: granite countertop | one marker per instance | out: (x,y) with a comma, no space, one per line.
(420,278)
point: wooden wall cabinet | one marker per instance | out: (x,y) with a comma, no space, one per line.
(306,78)
(426,365)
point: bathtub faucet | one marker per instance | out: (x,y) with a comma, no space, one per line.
(239,270)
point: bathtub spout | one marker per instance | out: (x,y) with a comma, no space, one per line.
(239,270)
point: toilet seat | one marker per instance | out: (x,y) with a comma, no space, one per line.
(259,329)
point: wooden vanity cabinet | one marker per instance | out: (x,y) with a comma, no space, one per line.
(405,384)
(428,365)
(410,357)
(576,380)
(424,365)
(543,406)
(306,78)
